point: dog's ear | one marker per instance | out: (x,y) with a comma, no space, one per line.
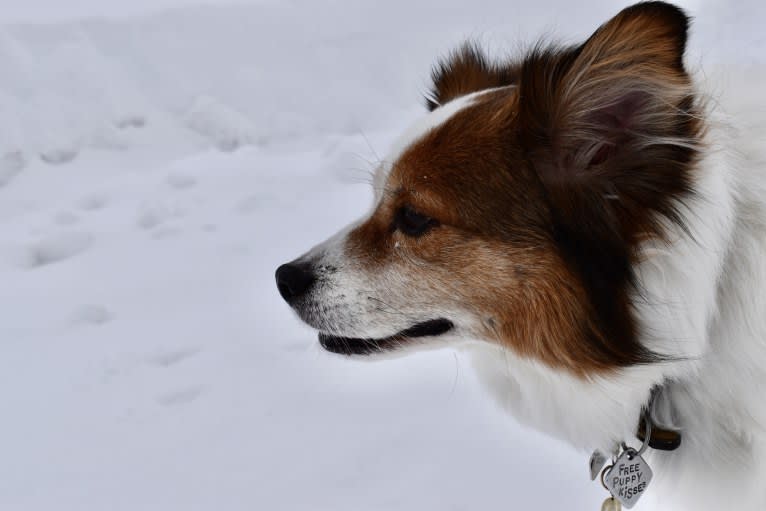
(611,128)
(464,71)
(610,125)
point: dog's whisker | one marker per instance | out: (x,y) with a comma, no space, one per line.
(369,145)
(392,309)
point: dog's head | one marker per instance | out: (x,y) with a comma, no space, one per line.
(514,213)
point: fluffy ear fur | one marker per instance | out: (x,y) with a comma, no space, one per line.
(594,117)
(610,128)
(464,71)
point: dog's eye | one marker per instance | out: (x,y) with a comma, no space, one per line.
(412,223)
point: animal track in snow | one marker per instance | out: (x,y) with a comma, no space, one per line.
(66,218)
(249,204)
(227,128)
(11,164)
(131,121)
(92,202)
(90,315)
(181,396)
(153,214)
(55,249)
(58,156)
(180,181)
(173,357)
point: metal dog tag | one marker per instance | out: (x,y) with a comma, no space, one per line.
(628,478)
(597,462)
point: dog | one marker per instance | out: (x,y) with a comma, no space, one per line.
(589,227)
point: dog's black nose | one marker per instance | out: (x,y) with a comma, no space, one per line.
(294,279)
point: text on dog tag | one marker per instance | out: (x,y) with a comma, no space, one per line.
(628,478)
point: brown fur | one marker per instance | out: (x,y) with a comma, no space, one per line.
(544,189)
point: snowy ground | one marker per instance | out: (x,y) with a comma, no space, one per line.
(154,171)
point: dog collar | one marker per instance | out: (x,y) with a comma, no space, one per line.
(661,438)
(627,477)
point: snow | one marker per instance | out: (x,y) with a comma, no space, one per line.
(155,168)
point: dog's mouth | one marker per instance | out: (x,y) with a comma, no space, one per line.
(360,346)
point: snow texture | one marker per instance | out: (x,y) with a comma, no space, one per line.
(155,168)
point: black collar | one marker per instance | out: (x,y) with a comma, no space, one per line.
(662,438)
